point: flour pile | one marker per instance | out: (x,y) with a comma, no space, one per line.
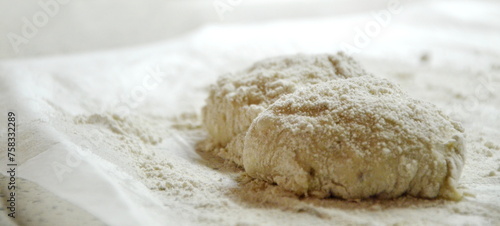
(316,128)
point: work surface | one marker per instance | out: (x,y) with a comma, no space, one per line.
(109,137)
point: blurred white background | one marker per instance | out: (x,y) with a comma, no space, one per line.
(47,27)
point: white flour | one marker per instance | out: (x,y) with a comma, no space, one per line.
(142,167)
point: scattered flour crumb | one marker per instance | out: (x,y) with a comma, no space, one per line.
(491,145)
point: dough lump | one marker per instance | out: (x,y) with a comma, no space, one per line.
(356,138)
(236,99)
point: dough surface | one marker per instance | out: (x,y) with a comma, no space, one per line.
(356,138)
(237,99)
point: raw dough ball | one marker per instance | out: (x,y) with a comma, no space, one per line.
(236,99)
(356,138)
